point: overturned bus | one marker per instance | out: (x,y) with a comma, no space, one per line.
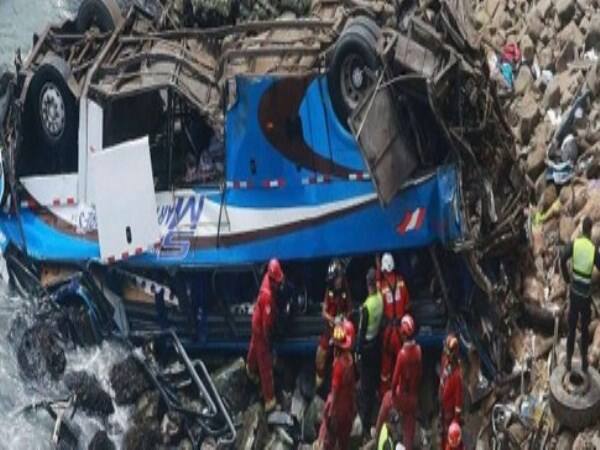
(149,171)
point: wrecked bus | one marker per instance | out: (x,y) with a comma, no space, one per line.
(148,172)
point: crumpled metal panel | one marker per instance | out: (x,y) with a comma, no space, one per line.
(384,142)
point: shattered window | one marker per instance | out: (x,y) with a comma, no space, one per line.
(185,150)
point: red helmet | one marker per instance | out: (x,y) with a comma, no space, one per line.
(454,434)
(451,344)
(343,335)
(407,326)
(274,271)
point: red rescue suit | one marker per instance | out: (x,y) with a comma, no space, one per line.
(460,446)
(404,394)
(450,394)
(340,407)
(395,304)
(335,303)
(259,354)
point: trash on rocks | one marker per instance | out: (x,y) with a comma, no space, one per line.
(568,149)
(280,418)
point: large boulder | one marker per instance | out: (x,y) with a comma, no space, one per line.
(592,37)
(91,398)
(544,7)
(129,381)
(565,9)
(101,441)
(527,48)
(567,226)
(524,80)
(593,79)
(529,116)
(571,33)
(40,353)
(536,159)
(142,437)
(233,384)
(551,97)
(149,408)
(535,26)
(566,56)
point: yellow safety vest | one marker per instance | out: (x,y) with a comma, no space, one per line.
(374,305)
(584,254)
(385,441)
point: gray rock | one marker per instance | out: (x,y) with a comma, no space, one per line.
(546,58)
(566,229)
(481,18)
(232,383)
(535,26)
(544,7)
(172,428)
(149,408)
(491,6)
(524,80)
(527,48)
(592,38)
(298,405)
(593,79)
(91,398)
(547,35)
(535,160)
(565,440)
(101,441)
(40,353)
(275,442)
(571,33)
(312,419)
(129,381)
(254,432)
(565,9)
(566,56)
(529,115)
(207,444)
(570,83)
(142,437)
(551,97)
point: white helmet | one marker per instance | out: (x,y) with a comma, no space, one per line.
(387,262)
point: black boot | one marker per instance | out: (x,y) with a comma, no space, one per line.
(584,365)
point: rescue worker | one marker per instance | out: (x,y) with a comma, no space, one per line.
(585,257)
(367,349)
(340,407)
(454,437)
(259,362)
(451,386)
(395,304)
(336,306)
(404,392)
(389,437)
